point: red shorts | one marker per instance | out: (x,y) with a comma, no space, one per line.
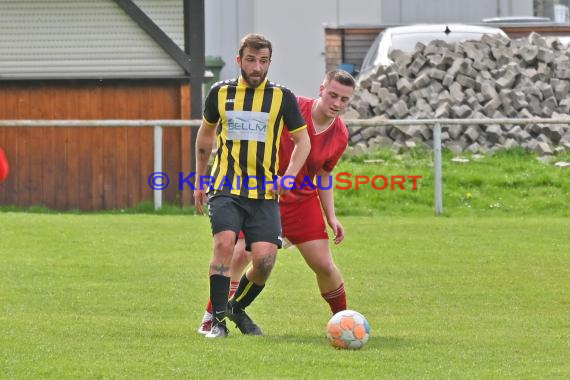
(303,220)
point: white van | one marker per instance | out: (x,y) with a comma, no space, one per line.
(405,38)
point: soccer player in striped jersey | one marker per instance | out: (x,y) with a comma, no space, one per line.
(302,218)
(246,116)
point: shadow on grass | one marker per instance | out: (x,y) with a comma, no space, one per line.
(375,342)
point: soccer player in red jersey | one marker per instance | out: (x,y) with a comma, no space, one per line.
(302,219)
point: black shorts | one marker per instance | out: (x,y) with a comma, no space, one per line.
(258,218)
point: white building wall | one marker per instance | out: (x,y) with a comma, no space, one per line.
(225,23)
(410,11)
(296,28)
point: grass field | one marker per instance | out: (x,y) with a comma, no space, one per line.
(510,183)
(108,296)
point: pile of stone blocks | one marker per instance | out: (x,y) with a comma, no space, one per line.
(493,78)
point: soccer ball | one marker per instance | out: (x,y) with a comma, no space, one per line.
(348,329)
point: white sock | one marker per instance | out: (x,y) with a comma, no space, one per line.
(207,317)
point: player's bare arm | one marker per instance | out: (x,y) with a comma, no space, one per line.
(204,143)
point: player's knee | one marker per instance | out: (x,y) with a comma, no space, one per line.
(326,269)
(264,265)
(223,248)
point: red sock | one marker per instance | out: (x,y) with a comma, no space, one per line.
(209,306)
(233,288)
(336,299)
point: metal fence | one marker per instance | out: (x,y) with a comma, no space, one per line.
(436,124)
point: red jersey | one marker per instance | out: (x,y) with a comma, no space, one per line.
(326,149)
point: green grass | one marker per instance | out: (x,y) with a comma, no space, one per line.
(109,296)
(509,183)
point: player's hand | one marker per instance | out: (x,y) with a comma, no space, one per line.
(338,230)
(284,184)
(200,199)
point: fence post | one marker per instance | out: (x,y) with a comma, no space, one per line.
(437,168)
(157,164)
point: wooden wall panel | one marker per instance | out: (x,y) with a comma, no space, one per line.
(88,168)
(23,152)
(148,108)
(186,147)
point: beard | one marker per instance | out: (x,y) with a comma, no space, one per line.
(253,82)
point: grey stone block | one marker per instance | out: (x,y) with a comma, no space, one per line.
(350,113)
(376,87)
(437,74)
(494,133)
(383,80)
(491,106)
(523,136)
(513,131)
(525,114)
(546,89)
(543,149)
(369,132)
(543,138)
(564,106)
(448,80)
(534,105)
(518,100)
(506,82)
(474,148)
(421,81)
(473,103)
(528,53)
(511,144)
(466,69)
(472,133)
(400,109)
(554,132)
(418,63)
(465,81)
(565,138)
(356,138)
(380,142)
(368,98)
(404,86)
(455,132)
(461,112)
(488,91)
(442,112)
(455,147)
(456,93)
(397,147)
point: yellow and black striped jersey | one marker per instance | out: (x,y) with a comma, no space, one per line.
(249,124)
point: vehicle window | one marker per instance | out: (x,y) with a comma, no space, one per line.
(371,54)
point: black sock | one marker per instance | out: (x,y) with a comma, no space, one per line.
(219,289)
(246,292)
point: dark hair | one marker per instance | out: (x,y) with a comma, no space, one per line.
(254,41)
(341,77)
